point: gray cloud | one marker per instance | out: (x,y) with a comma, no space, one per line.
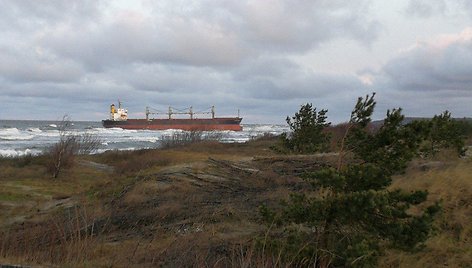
(24,15)
(212,33)
(79,54)
(139,40)
(76,57)
(428,67)
(429,8)
(24,64)
(284,80)
(429,78)
(425,8)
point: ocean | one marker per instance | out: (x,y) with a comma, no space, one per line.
(22,137)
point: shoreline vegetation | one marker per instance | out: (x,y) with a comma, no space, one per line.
(196,202)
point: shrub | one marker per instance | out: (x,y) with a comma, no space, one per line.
(189,137)
(307,131)
(61,154)
(443,132)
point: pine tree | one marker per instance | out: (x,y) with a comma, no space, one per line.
(307,135)
(391,147)
(350,216)
(445,133)
(440,132)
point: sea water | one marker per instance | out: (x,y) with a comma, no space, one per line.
(19,137)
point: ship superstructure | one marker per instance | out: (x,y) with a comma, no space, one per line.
(119,114)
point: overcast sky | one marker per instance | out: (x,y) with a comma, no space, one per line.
(265,58)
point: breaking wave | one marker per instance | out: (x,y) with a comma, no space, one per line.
(18,153)
(14,134)
(18,138)
(35,130)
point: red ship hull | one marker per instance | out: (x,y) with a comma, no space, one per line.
(228,123)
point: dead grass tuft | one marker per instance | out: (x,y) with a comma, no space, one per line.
(65,237)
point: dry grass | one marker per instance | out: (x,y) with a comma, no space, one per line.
(176,207)
(63,237)
(451,184)
(28,192)
(159,207)
(179,139)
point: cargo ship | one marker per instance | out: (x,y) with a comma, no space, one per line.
(119,119)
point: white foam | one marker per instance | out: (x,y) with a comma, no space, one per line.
(17,153)
(14,134)
(114,130)
(99,151)
(35,130)
(266,128)
(9,131)
(48,133)
(18,138)
(145,138)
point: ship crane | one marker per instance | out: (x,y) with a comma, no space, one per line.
(171,111)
